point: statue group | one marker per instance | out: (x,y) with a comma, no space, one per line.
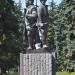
(36,21)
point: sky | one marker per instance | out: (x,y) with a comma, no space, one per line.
(38,2)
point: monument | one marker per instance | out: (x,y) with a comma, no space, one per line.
(37,60)
(30,22)
(43,20)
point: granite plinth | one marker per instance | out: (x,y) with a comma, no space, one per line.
(36,64)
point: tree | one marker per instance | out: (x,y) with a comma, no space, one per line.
(51,32)
(10,34)
(66,35)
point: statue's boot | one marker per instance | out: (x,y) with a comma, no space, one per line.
(38,45)
(45,46)
(29,48)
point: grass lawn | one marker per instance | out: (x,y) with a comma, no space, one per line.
(58,73)
(65,73)
(11,74)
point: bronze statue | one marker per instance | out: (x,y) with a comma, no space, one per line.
(43,20)
(30,22)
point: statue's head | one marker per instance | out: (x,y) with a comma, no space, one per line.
(43,1)
(29,2)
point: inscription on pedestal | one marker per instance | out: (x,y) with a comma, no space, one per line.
(36,64)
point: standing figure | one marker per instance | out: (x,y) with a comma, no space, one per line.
(30,22)
(43,20)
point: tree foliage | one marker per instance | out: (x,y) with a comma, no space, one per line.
(64,34)
(10,34)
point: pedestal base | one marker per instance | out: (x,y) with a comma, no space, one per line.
(36,64)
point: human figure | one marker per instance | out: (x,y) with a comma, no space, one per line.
(43,19)
(30,22)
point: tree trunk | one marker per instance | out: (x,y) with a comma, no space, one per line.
(3,71)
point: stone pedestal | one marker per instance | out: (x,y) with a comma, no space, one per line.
(36,64)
